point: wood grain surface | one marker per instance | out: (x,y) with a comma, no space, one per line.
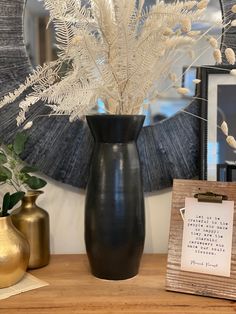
(195,283)
(74,290)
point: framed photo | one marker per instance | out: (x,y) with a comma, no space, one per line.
(218,103)
(202,239)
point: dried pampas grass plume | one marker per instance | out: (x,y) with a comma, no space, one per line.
(168,31)
(186,25)
(173,77)
(233,23)
(233,9)
(194,33)
(217,56)
(213,42)
(230,56)
(224,128)
(231,141)
(196,81)
(202,4)
(182,90)
(233,72)
(190,4)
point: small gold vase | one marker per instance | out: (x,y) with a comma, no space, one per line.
(33,222)
(14,253)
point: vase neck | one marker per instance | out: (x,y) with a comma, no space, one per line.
(115,128)
(30,198)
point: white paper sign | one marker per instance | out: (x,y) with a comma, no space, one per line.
(207,237)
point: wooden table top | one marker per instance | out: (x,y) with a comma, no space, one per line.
(74,290)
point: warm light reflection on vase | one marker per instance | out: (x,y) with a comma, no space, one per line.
(14,253)
(33,222)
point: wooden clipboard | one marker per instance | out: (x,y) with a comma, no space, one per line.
(190,282)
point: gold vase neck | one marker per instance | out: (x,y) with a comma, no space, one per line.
(30,198)
(5,222)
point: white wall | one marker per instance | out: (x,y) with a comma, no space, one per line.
(66,209)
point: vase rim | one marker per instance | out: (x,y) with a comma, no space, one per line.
(115,115)
(115,128)
(33,193)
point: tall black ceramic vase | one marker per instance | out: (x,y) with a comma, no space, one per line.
(114,210)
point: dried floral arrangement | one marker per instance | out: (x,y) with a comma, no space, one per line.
(17,175)
(115,50)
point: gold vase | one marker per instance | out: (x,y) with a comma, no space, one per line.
(14,253)
(33,222)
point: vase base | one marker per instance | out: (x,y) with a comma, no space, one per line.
(37,266)
(115,277)
(8,284)
(115,268)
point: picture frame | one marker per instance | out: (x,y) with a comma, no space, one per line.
(217,89)
(178,280)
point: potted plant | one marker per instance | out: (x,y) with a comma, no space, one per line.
(14,247)
(30,219)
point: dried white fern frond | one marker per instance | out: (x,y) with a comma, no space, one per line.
(117,51)
(24,106)
(45,75)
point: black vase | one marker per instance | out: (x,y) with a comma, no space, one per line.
(114,208)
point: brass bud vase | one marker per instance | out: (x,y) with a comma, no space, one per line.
(14,253)
(33,222)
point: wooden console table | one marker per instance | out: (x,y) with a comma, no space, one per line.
(73,290)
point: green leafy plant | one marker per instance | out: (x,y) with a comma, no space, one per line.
(16,174)
(9,201)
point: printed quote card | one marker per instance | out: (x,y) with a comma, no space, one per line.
(207,237)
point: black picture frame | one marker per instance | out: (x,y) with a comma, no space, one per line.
(203,74)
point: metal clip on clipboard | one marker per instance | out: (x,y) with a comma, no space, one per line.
(210,197)
(207,197)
